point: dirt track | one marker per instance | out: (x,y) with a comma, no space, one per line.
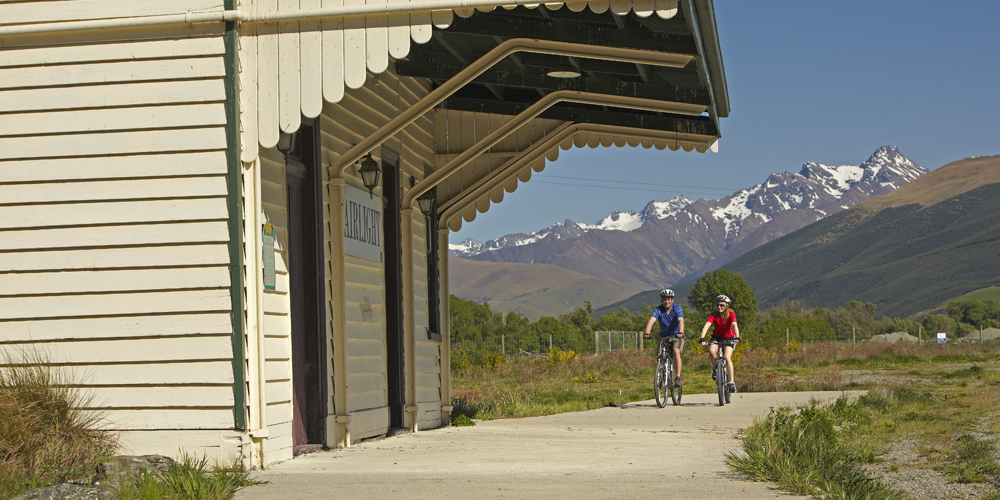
(633,451)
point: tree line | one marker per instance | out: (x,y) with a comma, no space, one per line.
(476,326)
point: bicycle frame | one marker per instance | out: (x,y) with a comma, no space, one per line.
(663,376)
(722,369)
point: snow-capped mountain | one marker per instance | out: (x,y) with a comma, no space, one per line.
(673,239)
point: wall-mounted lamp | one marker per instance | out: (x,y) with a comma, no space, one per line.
(370,172)
(285,142)
(426,202)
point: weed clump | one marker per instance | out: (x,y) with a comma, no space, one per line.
(190,479)
(802,451)
(46,433)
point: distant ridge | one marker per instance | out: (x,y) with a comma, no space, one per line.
(671,241)
(532,290)
(908,252)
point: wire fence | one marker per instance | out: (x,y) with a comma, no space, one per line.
(517,346)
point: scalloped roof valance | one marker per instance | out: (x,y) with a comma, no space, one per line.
(296,65)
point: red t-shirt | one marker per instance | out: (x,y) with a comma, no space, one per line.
(723,327)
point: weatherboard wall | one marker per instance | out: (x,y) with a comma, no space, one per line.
(277,340)
(342,125)
(113,219)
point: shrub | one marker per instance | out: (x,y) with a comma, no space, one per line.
(557,357)
(47,434)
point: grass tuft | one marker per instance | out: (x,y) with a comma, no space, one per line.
(976,459)
(190,479)
(802,451)
(48,435)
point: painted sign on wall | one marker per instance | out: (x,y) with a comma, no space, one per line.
(268,253)
(362,224)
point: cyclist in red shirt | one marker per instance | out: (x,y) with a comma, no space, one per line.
(724,330)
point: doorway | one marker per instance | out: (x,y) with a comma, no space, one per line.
(392,260)
(306,284)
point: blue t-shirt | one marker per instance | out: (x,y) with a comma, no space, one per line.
(669,320)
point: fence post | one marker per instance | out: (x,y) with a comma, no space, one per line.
(609,342)
(596,349)
(786,336)
(980,333)
(854,337)
(503,345)
(550,342)
(639,340)
(920,335)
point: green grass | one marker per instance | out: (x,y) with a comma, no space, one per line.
(802,451)
(990,293)
(45,438)
(925,393)
(190,479)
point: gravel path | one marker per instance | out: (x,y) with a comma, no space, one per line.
(905,470)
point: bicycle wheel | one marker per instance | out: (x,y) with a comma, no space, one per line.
(720,378)
(727,382)
(670,380)
(675,392)
(660,384)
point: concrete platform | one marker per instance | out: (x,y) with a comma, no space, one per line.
(635,451)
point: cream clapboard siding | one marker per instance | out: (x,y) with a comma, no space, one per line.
(277,319)
(113,232)
(342,125)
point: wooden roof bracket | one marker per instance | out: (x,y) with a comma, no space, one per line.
(532,112)
(511,168)
(487,61)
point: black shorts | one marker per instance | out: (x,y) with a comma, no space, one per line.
(725,341)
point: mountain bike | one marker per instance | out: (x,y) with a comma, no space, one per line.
(663,377)
(721,371)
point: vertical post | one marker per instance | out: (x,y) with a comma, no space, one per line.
(409,323)
(639,340)
(341,437)
(623,341)
(786,336)
(854,336)
(920,335)
(596,342)
(503,345)
(446,406)
(550,342)
(609,341)
(980,333)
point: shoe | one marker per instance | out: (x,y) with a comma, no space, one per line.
(732,387)
(677,382)
(713,373)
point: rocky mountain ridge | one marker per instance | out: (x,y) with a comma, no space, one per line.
(672,240)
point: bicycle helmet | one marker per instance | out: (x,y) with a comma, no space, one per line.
(723,298)
(666,292)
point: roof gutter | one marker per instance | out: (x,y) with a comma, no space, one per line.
(713,54)
(236,15)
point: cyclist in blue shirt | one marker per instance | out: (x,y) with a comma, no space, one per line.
(671,319)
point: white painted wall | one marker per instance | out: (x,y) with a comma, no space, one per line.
(113,232)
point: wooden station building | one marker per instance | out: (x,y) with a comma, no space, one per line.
(184,218)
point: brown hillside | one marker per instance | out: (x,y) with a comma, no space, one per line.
(948,181)
(534,290)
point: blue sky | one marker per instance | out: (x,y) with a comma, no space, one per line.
(828,82)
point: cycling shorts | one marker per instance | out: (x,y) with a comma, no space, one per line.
(677,342)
